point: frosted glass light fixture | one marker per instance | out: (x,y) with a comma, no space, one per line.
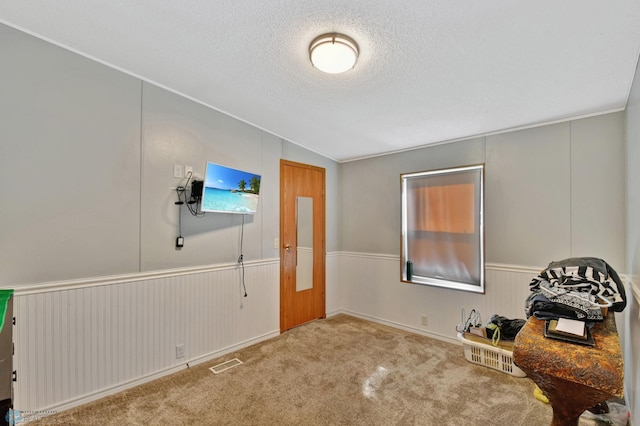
(333,53)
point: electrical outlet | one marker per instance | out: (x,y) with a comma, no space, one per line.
(424,320)
(180,351)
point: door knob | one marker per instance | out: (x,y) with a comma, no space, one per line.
(287,247)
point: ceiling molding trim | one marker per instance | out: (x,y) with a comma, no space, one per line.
(482,135)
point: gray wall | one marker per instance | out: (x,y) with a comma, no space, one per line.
(69,164)
(98,147)
(633,181)
(370,193)
(179,131)
(550,192)
(87,159)
(632,324)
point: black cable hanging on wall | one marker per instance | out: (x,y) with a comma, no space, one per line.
(179,203)
(241,257)
(195,198)
(192,202)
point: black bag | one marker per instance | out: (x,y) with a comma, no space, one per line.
(508,327)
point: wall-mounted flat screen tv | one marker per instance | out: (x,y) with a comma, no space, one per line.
(228,190)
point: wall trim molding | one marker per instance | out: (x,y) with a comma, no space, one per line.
(635,289)
(25,289)
(534,270)
(380,256)
(490,266)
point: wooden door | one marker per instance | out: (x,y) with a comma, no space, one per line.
(302,244)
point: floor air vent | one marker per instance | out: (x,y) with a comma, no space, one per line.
(225,365)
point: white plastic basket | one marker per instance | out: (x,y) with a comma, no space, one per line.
(490,356)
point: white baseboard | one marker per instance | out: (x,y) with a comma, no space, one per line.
(233,348)
(393,324)
(69,404)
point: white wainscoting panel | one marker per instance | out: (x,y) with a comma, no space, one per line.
(371,288)
(333,287)
(79,340)
(630,339)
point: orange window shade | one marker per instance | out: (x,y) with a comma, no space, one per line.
(445,208)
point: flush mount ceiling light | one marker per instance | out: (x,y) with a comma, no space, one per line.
(333,53)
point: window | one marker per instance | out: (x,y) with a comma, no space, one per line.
(442,228)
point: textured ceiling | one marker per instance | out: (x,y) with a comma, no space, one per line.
(429,71)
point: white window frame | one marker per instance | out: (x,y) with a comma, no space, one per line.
(476,285)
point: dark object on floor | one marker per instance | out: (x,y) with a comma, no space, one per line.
(600,408)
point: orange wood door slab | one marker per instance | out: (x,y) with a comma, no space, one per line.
(299,307)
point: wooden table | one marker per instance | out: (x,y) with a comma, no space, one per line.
(573,377)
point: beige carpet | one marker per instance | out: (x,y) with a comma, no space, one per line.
(338,371)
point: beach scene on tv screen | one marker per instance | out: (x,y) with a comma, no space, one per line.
(230,190)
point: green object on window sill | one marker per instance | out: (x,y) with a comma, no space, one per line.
(4,301)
